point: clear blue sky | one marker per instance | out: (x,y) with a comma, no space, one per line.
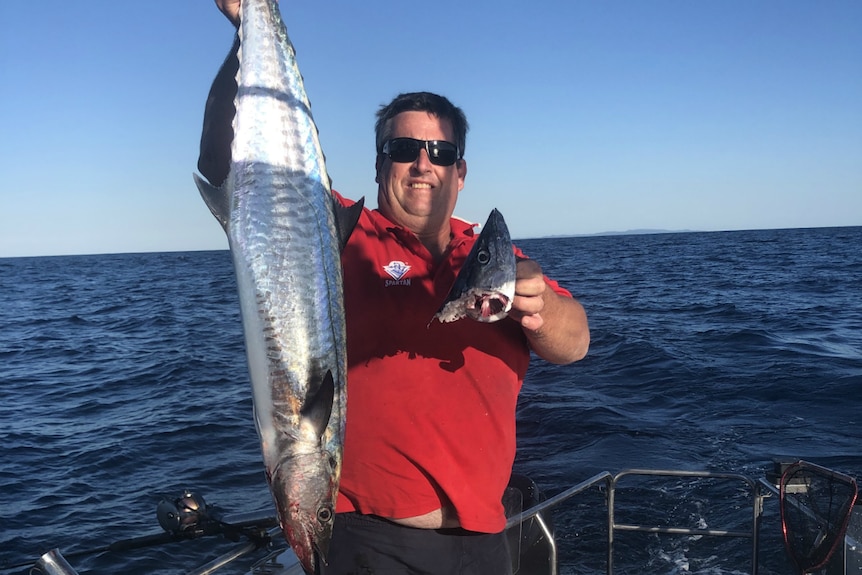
(586,116)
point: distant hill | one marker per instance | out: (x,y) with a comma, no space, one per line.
(639,232)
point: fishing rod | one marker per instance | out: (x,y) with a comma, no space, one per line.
(182,518)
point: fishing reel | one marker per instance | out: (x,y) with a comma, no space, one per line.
(189,516)
(186,516)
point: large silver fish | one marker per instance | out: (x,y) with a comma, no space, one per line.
(286,233)
(485,286)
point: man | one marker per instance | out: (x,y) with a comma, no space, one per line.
(430,436)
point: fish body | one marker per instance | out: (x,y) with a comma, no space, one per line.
(485,286)
(286,232)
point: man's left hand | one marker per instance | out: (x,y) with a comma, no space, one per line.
(529,299)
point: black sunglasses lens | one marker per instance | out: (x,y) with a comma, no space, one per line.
(442,153)
(404,150)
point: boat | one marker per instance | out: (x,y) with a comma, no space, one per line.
(820,527)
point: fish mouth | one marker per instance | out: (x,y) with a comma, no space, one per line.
(320,551)
(308,550)
(488,307)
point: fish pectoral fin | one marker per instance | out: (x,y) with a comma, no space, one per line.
(216,199)
(346,218)
(318,407)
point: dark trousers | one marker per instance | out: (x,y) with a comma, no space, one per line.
(370,545)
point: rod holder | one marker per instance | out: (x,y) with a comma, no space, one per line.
(52,563)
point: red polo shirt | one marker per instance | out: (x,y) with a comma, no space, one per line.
(431,406)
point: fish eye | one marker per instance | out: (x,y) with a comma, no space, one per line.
(324,514)
(483,257)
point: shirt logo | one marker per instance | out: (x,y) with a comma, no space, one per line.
(397,270)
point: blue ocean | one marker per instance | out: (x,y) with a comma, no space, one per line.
(123,381)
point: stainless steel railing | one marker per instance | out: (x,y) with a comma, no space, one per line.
(611,482)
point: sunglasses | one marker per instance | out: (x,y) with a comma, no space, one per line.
(406,150)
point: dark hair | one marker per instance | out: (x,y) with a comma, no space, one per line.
(421,102)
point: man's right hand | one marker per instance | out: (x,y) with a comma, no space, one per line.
(229,8)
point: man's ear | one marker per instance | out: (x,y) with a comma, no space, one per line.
(378,165)
(462,172)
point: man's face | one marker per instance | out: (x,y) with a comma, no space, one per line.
(419,195)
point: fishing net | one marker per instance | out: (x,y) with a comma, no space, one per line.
(815,507)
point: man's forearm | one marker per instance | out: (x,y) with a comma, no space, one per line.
(564,336)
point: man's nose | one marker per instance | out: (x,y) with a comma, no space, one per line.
(423,161)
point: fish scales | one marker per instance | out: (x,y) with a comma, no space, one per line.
(285,233)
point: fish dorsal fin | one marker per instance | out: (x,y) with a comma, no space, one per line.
(346,218)
(318,407)
(216,199)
